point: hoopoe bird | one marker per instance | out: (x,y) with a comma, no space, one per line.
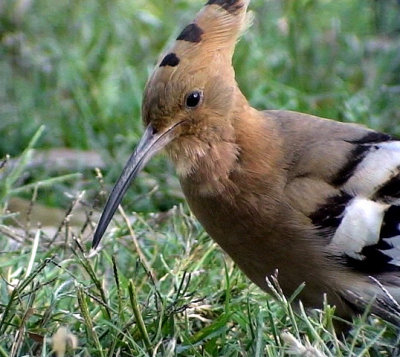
(316,199)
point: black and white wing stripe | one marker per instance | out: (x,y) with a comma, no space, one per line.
(364,218)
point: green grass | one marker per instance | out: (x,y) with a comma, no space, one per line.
(79,68)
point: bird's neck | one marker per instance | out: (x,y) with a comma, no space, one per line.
(210,164)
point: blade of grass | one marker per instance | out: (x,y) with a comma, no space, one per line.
(93,276)
(45,183)
(35,245)
(25,157)
(136,243)
(87,318)
(138,315)
(18,290)
(3,353)
(214,329)
(315,334)
(119,298)
(260,332)
(273,325)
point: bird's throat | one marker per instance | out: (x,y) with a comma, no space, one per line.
(205,164)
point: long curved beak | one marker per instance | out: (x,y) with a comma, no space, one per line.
(150,143)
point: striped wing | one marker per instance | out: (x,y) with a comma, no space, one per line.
(365,216)
(346,180)
(363,224)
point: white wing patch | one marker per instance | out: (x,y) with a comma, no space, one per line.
(378,166)
(360,227)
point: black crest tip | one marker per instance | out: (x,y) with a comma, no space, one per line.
(170,59)
(232,6)
(191,33)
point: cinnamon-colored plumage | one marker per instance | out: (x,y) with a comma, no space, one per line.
(314,198)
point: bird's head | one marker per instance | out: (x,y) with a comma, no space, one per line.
(190,95)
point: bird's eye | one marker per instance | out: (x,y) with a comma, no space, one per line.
(193,99)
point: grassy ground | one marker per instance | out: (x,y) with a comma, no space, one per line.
(160,286)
